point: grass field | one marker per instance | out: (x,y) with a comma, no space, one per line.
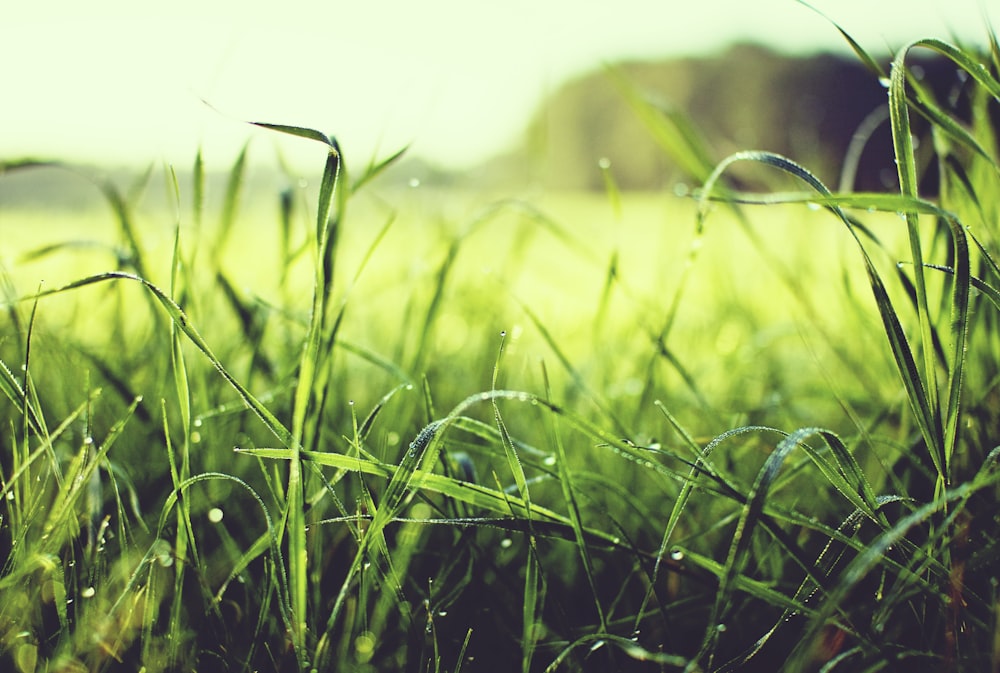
(341,426)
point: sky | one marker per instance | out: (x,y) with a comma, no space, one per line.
(135,82)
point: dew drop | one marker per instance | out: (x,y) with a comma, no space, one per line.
(215,515)
(604,163)
(721,628)
(89,592)
(162,553)
(677,554)
(549,461)
(364,645)
(414,182)
(506,543)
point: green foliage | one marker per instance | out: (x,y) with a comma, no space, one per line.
(670,482)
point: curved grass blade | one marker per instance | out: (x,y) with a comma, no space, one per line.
(926,413)
(272,541)
(629,647)
(180,318)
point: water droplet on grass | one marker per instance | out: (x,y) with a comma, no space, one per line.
(721,628)
(677,554)
(161,551)
(89,592)
(549,461)
(215,515)
(506,543)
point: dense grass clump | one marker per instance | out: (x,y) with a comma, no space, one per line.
(631,433)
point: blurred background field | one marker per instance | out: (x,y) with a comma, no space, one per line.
(600,274)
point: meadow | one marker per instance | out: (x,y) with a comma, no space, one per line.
(347,426)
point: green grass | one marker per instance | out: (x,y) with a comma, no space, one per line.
(345,428)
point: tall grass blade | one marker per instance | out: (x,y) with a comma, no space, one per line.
(907,171)
(374,169)
(230,206)
(670,128)
(305,397)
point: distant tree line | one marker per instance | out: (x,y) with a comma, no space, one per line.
(807,108)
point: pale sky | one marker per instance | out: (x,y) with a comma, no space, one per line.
(125,80)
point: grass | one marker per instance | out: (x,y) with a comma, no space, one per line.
(736,431)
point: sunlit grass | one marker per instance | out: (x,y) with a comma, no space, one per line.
(344,426)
